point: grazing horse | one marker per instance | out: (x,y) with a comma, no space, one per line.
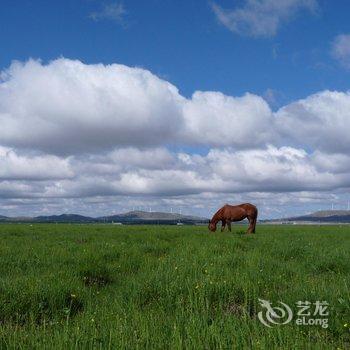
(229,213)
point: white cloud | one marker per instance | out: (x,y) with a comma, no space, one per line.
(16,189)
(77,136)
(320,121)
(270,169)
(131,158)
(14,166)
(341,50)
(67,107)
(261,18)
(113,11)
(332,163)
(283,169)
(215,119)
(121,160)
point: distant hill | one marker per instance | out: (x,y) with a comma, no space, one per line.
(322,216)
(132,217)
(144,217)
(138,216)
(329,213)
(64,218)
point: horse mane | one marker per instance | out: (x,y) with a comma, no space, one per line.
(217,216)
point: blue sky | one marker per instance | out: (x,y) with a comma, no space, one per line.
(111,105)
(183,42)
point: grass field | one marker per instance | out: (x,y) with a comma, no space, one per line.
(169,287)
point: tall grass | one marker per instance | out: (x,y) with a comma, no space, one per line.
(169,287)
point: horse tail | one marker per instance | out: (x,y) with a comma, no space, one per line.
(255,218)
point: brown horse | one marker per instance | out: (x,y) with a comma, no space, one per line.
(229,213)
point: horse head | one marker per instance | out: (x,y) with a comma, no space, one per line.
(211,226)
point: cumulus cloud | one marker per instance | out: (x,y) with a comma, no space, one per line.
(121,160)
(341,50)
(271,169)
(320,121)
(28,167)
(215,119)
(77,136)
(67,107)
(283,169)
(16,189)
(261,18)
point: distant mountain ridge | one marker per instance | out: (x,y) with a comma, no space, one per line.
(132,217)
(329,213)
(64,218)
(154,217)
(144,217)
(323,216)
(151,216)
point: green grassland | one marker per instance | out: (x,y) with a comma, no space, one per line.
(169,287)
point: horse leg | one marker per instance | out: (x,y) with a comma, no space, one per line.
(229,225)
(223,224)
(255,218)
(252,222)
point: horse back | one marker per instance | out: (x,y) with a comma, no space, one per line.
(239,212)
